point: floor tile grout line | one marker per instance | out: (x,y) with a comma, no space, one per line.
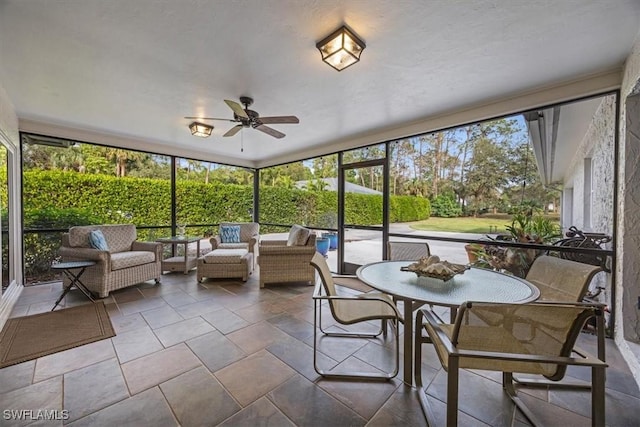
(175,416)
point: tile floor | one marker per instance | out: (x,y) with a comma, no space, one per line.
(228,353)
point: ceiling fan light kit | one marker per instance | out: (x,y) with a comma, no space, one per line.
(341,49)
(247,118)
(200,129)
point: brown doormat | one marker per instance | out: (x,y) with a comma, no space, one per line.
(29,337)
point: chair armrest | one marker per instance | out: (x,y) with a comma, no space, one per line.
(145,246)
(215,241)
(91,254)
(361,299)
(253,243)
(154,247)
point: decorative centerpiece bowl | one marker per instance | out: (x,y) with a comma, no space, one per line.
(434,267)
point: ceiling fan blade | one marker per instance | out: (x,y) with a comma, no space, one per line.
(237,108)
(278,119)
(209,118)
(233,130)
(270,131)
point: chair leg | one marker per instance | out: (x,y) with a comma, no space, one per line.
(509,388)
(427,411)
(597,396)
(317,322)
(452,391)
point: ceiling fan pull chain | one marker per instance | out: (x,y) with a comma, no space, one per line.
(242,140)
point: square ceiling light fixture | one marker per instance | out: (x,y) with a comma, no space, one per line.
(341,49)
(200,129)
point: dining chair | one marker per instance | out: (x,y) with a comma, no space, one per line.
(349,310)
(533,338)
(561,279)
(407,251)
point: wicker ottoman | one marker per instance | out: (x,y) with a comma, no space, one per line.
(225,263)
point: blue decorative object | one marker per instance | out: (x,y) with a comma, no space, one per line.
(322,246)
(98,241)
(333,240)
(230,233)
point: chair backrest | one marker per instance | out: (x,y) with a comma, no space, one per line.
(326,279)
(533,329)
(561,279)
(119,237)
(407,251)
(247,229)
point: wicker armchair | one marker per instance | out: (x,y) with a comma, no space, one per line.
(126,262)
(249,238)
(281,262)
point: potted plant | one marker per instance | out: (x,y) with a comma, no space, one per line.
(473,249)
(330,220)
(333,239)
(525,227)
(322,245)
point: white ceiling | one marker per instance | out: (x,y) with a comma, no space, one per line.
(127,71)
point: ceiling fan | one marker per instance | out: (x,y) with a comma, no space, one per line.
(250,118)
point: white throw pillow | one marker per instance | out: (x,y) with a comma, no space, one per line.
(298,236)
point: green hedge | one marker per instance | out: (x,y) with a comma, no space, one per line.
(146,201)
(57,199)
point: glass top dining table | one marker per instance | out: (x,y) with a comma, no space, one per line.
(475,284)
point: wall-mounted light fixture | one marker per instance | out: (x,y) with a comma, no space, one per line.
(341,49)
(200,129)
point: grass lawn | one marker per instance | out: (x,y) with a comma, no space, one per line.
(464,225)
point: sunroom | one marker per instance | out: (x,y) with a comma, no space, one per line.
(126,81)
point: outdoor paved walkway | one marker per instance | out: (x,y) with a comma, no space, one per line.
(365,246)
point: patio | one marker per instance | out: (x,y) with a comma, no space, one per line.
(227,353)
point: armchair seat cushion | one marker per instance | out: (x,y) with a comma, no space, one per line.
(225,256)
(122,260)
(241,245)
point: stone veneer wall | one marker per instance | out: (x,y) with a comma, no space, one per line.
(627,333)
(597,144)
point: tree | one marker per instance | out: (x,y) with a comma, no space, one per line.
(297,171)
(124,159)
(325,167)
(316,185)
(485,175)
(402,153)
